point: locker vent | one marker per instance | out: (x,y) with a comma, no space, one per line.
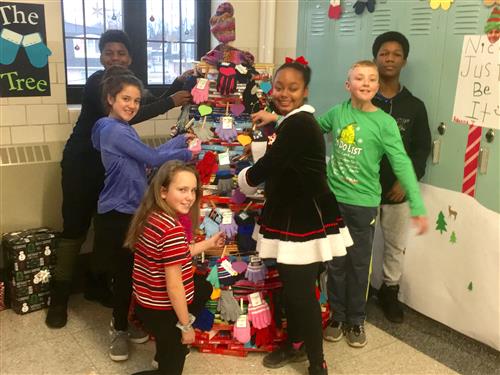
(421,20)
(381,21)
(466,19)
(348,21)
(15,155)
(318,21)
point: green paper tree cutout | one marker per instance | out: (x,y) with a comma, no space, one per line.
(441,223)
(470,286)
(453,237)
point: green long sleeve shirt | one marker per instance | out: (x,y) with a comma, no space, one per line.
(360,139)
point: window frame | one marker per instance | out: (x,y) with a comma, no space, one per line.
(134,10)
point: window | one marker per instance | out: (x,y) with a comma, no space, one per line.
(166,36)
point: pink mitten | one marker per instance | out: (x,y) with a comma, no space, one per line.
(241,329)
(200,91)
(258,311)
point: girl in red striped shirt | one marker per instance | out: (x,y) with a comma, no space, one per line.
(162,276)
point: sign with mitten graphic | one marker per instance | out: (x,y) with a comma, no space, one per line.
(24,54)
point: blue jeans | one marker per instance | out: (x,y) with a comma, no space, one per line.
(348,276)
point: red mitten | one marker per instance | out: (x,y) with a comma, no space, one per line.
(334,10)
(207,166)
(263,336)
(226,81)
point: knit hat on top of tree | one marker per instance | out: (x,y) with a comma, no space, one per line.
(222,24)
(493,22)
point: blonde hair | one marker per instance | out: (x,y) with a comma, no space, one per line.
(152,200)
(361,63)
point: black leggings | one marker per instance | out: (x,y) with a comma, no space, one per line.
(302,310)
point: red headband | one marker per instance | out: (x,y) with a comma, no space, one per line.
(300,60)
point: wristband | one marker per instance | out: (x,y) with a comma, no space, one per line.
(187,327)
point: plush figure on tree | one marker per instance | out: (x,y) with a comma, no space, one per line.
(492,27)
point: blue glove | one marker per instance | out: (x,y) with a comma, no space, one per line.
(37,51)
(9,46)
(209,226)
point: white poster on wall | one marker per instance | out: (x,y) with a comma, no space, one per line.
(476,98)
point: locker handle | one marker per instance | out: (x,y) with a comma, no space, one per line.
(484,155)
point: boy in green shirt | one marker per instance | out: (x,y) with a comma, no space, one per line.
(362,134)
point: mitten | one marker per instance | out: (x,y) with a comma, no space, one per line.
(203,132)
(215,294)
(241,330)
(239,266)
(209,226)
(229,229)
(9,46)
(226,80)
(246,224)
(211,306)
(224,182)
(204,321)
(359,6)
(256,270)
(207,166)
(229,308)
(37,51)
(225,273)
(334,10)
(200,91)
(263,336)
(186,223)
(250,98)
(213,278)
(259,315)
(237,196)
(194,146)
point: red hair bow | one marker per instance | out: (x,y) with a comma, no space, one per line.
(300,60)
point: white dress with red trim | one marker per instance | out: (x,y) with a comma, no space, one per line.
(300,221)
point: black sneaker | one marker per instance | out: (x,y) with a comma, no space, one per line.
(283,356)
(388,299)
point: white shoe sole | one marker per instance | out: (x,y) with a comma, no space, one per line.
(118,358)
(139,340)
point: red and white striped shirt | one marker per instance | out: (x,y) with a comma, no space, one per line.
(162,243)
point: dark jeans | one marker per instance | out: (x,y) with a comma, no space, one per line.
(348,275)
(111,258)
(302,309)
(170,352)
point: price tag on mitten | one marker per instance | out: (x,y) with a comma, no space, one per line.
(242,321)
(224,158)
(255,299)
(228,267)
(202,82)
(240,68)
(243,215)
(215,216)
(227,217)
(227,122)
(255,260)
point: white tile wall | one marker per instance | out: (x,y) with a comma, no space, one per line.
(26,134)
(12,115)
(146,128)
(5,136)
(57,133)
(42,114)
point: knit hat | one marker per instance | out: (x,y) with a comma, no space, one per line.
(493,22)
(222,24)
(391,36)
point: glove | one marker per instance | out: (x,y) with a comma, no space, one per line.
(213,278)
(334,10)
(256,270)
(226,275)
(227,135)
(204,321)
(9,46)
(203,132)
(195,146)
(359,6)
(250,98)
(224,182)
(229,229)
(260,315)
(226,80)
(200,91)
(37,51)
(215,294)
(239,266)
(264,336)
(228,307)
(207,166)
(241,330)
(209,226)
(212,306)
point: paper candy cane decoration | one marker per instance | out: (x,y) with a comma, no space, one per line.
(471,160)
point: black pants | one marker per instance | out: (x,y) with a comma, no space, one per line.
(302,310)
(110,257)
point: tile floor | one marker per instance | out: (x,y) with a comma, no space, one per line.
(418,346)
